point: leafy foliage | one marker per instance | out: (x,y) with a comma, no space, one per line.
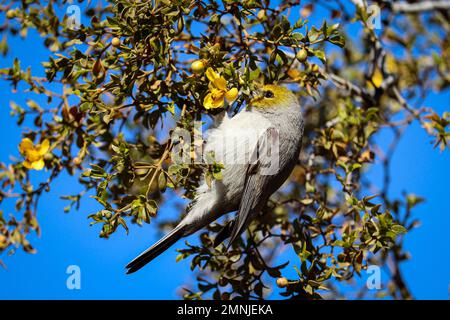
(120,83)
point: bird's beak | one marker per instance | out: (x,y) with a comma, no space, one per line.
(256,94)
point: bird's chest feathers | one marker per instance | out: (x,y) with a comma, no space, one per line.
(234,139)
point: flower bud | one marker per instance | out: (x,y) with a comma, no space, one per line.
(282,282)
(198,66)
(10,14)
(302,55)
(48,156)
(115,42)
(261,14)
(76,161)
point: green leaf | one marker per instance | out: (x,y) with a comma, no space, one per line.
(398,229)
(338,40)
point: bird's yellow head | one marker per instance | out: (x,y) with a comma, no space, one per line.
(272,96)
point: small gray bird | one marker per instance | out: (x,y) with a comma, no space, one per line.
(259,148)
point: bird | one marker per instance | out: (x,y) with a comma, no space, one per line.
(259,148)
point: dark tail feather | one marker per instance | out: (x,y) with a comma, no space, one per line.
(225,233)
(155,250)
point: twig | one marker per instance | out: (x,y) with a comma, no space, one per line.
(419,7)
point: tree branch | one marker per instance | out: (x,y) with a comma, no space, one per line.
(419,7)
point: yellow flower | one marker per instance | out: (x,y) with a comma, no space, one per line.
(391,64)
(377,78)
(391,67)
(294,74)
(218,91)
(34,155)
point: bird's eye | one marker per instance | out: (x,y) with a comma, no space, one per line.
(268,94)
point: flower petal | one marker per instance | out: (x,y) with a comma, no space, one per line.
(217,94)
(25,144)
(208,101)
(377,78)
(38,165)
(43,147)
(218,103)
(33,155)
(212,102)
(231,94)
(211,74)
(220,83)
(27,164)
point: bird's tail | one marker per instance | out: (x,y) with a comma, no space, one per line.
(155,250)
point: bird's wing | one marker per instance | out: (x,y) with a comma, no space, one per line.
(224,233)
(256,184)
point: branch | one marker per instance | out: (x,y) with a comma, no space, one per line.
(351,87)
(420,7)
(338,81)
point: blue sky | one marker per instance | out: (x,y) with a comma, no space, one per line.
(68,240)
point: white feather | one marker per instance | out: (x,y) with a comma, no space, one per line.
(232,142)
